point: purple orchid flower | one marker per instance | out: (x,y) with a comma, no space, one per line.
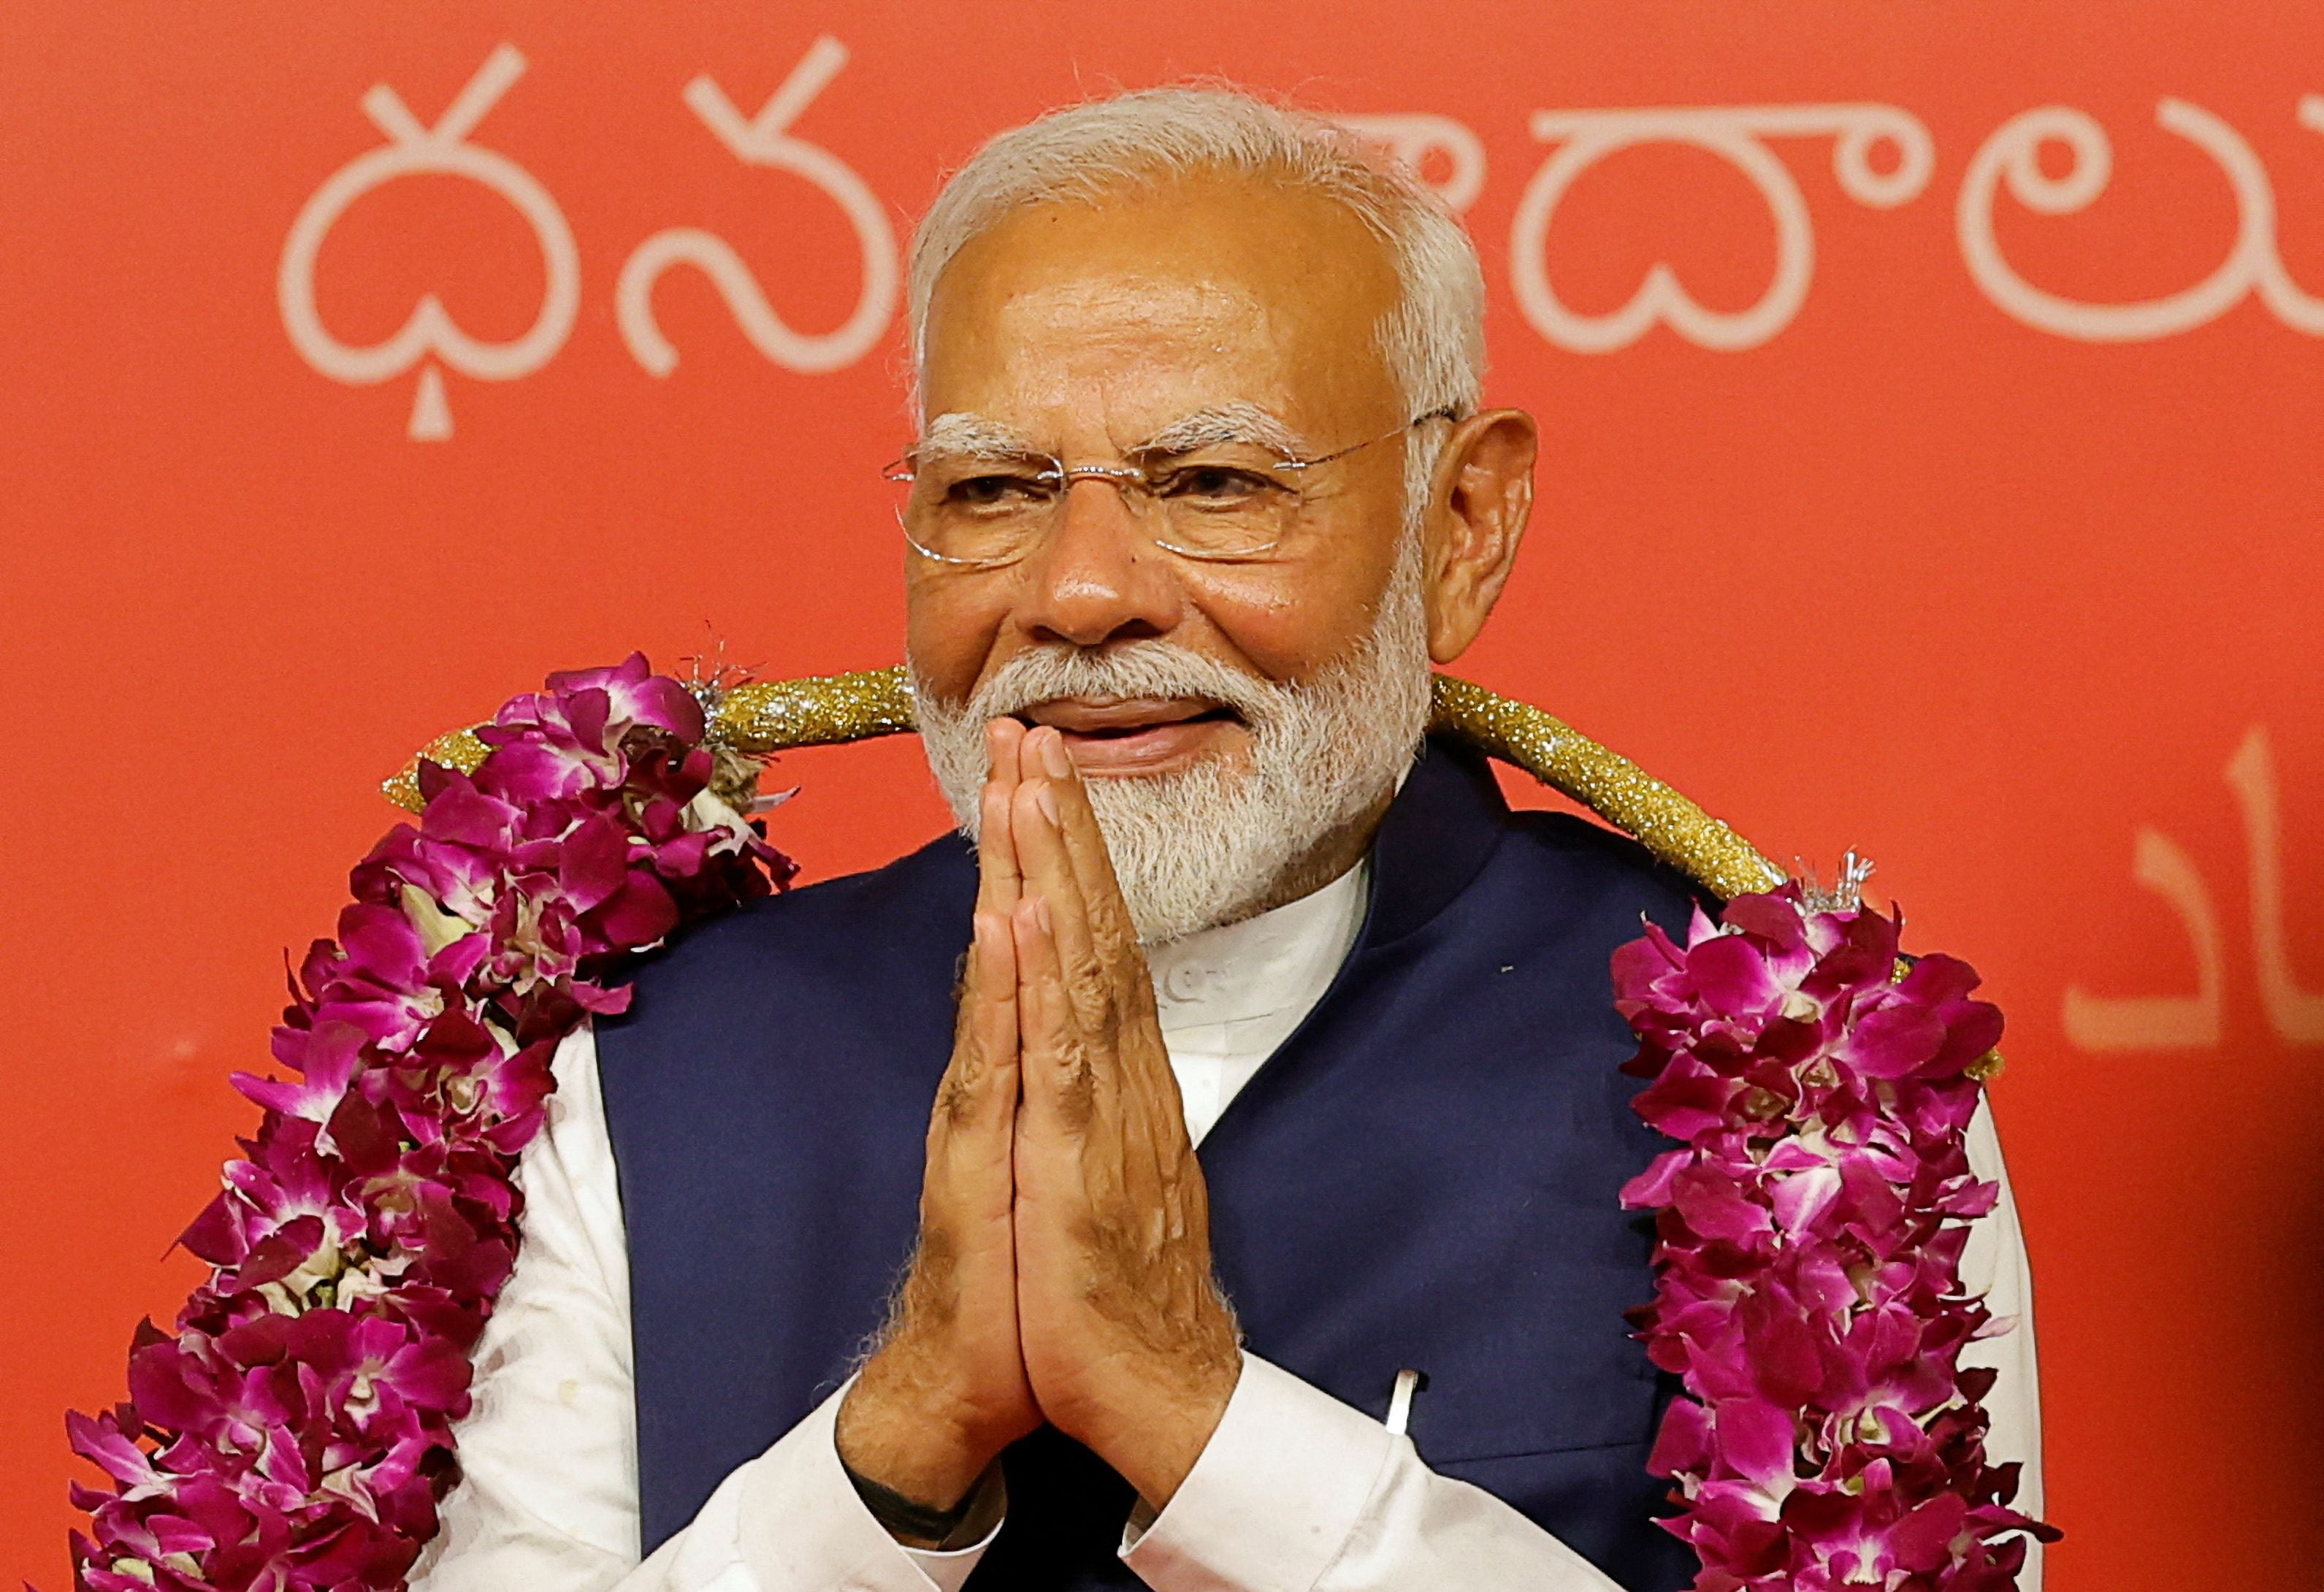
(1809,1234)
(294,1434)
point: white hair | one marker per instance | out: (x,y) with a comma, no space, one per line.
(1433,341)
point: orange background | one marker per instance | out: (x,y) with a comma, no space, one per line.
(1911,575)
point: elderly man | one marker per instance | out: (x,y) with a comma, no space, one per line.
(1202,487)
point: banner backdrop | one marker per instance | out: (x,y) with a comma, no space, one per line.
(1931,395)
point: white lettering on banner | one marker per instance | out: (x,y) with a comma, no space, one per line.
(1736,133)
(2171,1021)
(430,340)
(413,149)
(2161,1022)
(765,140)
(2253,265)
(2295,1014)
(1413,139)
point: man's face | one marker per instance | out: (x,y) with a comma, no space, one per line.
(1086,330)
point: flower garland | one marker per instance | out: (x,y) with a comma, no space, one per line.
(1809,1242)
(296,1432)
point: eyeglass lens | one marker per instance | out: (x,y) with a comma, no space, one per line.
(1225,502)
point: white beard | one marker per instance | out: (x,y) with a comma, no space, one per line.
(1210,845)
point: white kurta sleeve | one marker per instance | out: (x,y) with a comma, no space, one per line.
(1298,1492)
(1995,1264)
(550,1498)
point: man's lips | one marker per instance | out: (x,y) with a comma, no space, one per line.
(1137,735)
(1106,718)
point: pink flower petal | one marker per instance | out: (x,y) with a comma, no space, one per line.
(1732,975)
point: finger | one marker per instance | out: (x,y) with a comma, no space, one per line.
(1057,1080)
(1108,914)
(972,1119)
(997,880)
(1003,738)
(993,1024)
(1134,1092)
(1113,964)
(1049,873)
(1030,764)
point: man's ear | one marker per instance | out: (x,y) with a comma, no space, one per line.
(1478,500)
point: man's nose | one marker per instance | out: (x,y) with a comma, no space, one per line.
(1097,576)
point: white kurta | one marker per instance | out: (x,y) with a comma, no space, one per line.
(1295,1492)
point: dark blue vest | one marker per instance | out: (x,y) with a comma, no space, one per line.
(1424,1175)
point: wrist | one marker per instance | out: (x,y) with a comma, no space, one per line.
(920,1525)
(1154,1435)
(901,1444)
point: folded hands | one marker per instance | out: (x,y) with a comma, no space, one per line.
(1062,1274)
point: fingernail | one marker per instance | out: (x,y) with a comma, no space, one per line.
(1041,913)
(1053,758)
(1046,797)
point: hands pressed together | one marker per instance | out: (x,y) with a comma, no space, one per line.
(1064,1269)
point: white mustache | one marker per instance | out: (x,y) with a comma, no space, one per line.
(1145,668)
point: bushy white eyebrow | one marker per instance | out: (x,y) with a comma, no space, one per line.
(1240,421)
(961,434)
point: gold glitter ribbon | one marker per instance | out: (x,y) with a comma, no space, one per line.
(455,749)
(824,710)
(1617,790)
